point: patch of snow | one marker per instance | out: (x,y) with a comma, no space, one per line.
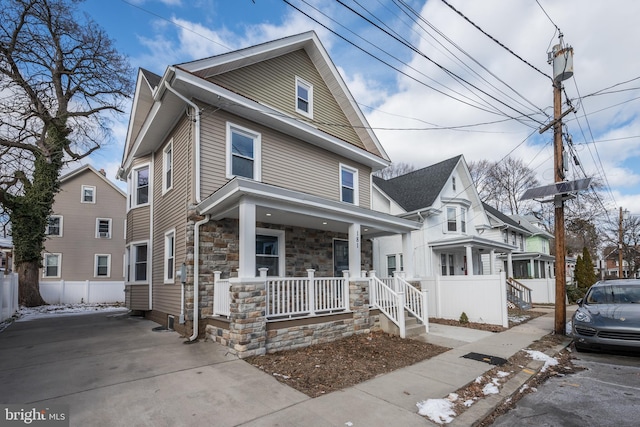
(538,355)
(490,388)
(468,403)
(452,397)
(495,381)
(568,329)
(519,319)
(26,314)
(286,377)
(348,423)
(502,374)
(479,380)
(437,410)
(523,388)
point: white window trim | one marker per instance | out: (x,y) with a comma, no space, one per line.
(309,87)
(356,192)
(92,187)
(446,220)
(61,222)
(132,203)
(44,267)
(167,280)
(132,262)
(257,151)
(168,148)
(282,265)
(95,265)
(98,236)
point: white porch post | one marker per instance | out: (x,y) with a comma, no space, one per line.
(247,243)
(468,248)
(407,254)
(509,265)
(355,243)
(532,265)
(492,261)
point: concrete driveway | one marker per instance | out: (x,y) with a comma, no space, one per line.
(112,370)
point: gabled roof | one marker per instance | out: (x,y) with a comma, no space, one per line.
(527,223)
(504,218)
(90,168)
(152,78)
(418,189)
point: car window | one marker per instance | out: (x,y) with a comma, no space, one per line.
(614,294)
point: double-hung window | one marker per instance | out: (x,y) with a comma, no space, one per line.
(452,225)
(88,194)
(54,226)
(103,228)
(102,265)
(243,153)
(140,262)
(348,185)
(304,97)
(169,256)
(167,161)
(270,251)
(463,220)
(139,187)
(52,265)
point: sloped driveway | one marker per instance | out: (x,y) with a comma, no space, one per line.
(112,369)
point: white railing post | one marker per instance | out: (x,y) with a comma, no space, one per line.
(401,321)
(373,300)
(263,272)
(216,277)
(425,310)
(311,291)
(345,289)
(395,281)
(62,291)
(87,290)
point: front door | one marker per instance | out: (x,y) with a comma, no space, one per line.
(340,257)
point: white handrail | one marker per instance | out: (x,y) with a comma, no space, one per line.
(389,302)
(415,300)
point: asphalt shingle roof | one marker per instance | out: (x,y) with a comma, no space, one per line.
(418,189)
(502,217)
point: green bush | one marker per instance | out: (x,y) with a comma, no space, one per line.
(463,318)
(574,293)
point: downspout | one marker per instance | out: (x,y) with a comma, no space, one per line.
(196,120)
(196,276)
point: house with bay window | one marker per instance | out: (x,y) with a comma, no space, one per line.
(249,206)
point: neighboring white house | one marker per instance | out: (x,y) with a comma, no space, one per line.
(455,231)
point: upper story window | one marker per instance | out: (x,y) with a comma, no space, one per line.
(453,183)
(54,226)
(243,153)
(505,236)
(139,186)
(513,238)
(348,184)
(304,97)
(103,228)
(167,162)
(102,265)
(521,240)
(88,194)
(451,220)
(463,220)
(52,265)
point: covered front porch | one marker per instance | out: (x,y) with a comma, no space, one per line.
(467,255)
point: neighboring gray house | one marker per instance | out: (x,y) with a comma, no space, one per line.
(85,233)
(539,262)
(507,230)
(249,198)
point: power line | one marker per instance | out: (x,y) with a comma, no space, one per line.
(496,41)
(547,15)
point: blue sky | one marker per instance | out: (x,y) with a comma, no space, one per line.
(420,112)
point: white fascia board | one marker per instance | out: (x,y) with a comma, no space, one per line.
(278,197)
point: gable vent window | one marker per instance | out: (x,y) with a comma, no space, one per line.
(304,97)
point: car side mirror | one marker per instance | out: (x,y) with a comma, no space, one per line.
(579,302)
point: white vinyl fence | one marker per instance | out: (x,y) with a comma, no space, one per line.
(8,295)
(543,291)
(86,291)
(482,298)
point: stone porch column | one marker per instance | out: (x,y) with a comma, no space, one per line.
(247,318)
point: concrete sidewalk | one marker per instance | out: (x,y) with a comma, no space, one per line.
(114,370)
(391,399)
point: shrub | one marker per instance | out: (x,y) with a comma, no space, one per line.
(463,318)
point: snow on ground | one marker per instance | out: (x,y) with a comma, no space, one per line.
(548,360)
(25,314)
(438,410)
(519,319)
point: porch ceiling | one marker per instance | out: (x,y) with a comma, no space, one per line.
(281,206)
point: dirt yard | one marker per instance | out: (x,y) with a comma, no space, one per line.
(324,368)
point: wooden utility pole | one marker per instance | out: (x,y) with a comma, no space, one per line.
(620,272)
(561,307)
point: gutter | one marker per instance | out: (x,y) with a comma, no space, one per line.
(196,119)
(196,278)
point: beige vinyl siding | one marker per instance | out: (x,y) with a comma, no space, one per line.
(137,297)
(286,161)
(79,244)
(273,83)
(170,213)
(138,224)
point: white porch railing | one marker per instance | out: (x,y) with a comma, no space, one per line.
(415,301)
(306,296)
(388,301)
(221,296)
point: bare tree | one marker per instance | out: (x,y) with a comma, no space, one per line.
(59,75)
(630,243)
(395,169)
(483,178)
